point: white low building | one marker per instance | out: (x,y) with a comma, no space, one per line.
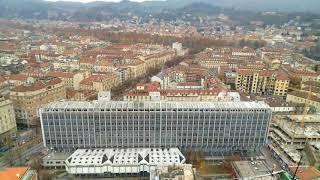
(121,161)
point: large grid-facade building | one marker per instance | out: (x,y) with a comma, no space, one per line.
(205,126)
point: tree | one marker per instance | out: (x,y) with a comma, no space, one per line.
(10,156)
(295,81)
(36,164)
(45,175)
(242,43)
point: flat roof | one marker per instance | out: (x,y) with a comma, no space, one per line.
(56,156)
(251,168)
(126,156)
(154,105)
(306,118)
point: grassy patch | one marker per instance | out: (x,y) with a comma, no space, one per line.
(214,169)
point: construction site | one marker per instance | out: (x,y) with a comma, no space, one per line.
(296,139)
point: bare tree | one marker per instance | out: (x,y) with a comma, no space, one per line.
(10,156)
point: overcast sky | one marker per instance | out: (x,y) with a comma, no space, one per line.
(85,1)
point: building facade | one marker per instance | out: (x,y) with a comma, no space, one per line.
(206,126)
(7,119)
(301,97)
(28,98)
(71,80)
(100,82)
(262,82)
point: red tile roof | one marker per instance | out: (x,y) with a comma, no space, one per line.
(37,85)
(135,63)
(97,78)
(88,60)
(12,173)
(105,63)
(3,79)
(246,71)
(18,77)
(267,73)
(61,74)
(282,76)
(119,46)
(306,173)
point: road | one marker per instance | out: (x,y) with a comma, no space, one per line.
(25,154)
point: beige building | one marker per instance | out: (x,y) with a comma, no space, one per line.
(264,82)
(179,95)
(281,85)
(301,97)
(71,79)
(100,82)
(7,119)
(152,91)
(156,60)
(136,69)
(28,98)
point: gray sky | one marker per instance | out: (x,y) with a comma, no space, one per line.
(85,1)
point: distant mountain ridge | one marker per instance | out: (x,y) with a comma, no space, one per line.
(98,11)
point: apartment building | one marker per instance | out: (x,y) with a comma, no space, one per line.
(87,63)
(152,91)
(304,74)
(28,98)
(136,69)
(71,79)
(8,124)
(207,126)
(301,97)
(156,60)
(262,82)
(100,82)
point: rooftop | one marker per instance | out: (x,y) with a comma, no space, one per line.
(305,95)
(306,173)
(61,74)
(127,156)
(37,85)
(247,169)
(119,105)
(97,78)
(88,60)
(13,173)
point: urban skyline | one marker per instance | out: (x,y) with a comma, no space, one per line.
(160,90)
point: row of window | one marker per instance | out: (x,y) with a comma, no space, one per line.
(156,110)
(118,142)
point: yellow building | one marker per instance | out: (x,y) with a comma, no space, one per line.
(281,85)
(262,82)
(7,119)
(28,98)
(156,60)
(100,82)
(136,69)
